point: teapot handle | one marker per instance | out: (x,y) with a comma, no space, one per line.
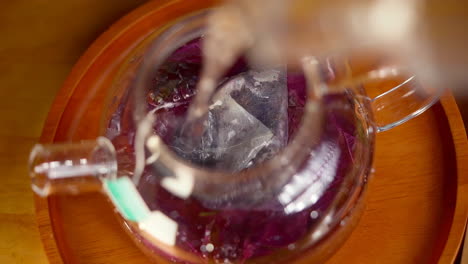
(72,168)
(400,97)
(393,95)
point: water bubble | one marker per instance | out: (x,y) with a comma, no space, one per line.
(314,214)
(174,214)
(209,247)
(342,222)
(186,95)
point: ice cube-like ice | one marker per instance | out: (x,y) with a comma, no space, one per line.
(246,123)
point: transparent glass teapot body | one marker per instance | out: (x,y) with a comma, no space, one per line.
(276,171)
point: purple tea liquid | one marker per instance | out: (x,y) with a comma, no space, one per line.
(232,235)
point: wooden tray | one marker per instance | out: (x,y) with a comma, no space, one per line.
(417,199)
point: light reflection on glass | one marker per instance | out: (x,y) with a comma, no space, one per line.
(308,186)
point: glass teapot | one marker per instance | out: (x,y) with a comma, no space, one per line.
(275,172)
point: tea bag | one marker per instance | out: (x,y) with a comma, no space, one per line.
(246,123)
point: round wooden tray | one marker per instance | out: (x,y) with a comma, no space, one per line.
(417,200)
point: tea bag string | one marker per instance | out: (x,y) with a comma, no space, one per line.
(220,50)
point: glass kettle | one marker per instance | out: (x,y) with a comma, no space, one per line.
(275,172)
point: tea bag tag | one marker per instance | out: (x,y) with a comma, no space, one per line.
(126,199)
(129,203)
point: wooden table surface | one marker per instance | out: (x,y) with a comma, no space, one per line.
(39,43)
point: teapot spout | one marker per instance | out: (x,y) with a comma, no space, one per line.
(72,168)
